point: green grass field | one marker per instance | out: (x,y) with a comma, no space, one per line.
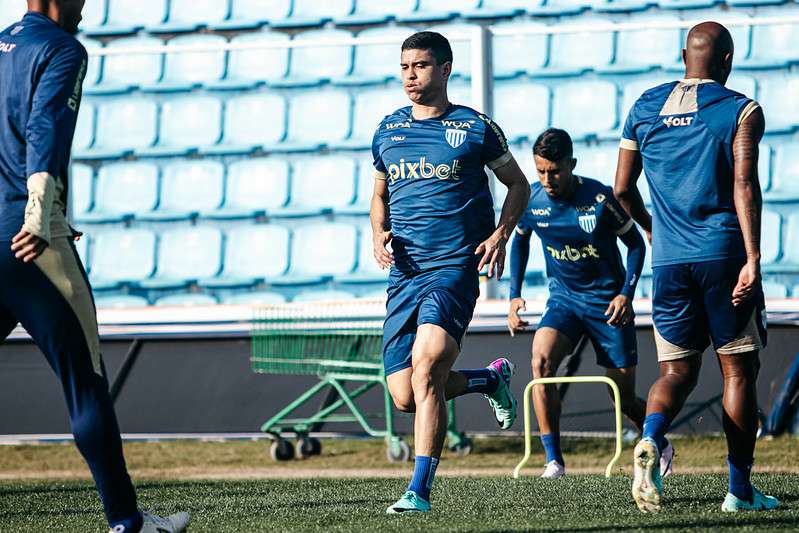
(469,495)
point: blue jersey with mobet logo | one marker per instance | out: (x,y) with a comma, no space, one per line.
(578,237)
(440,204)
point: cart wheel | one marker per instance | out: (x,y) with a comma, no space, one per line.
(306,447)
(462,448)
(281,450)
(398,451)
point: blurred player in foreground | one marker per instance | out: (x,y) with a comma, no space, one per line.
(578,221)
(697,143)
(43,285)
(433,204)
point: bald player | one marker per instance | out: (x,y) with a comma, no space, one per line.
(697,143)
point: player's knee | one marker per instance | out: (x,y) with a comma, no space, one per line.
(542,365)
(428,376)
(404,402)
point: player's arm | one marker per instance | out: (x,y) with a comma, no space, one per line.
(748,200)
(620,309)
(381,227)
(519,255)
(48,136)
(628,170)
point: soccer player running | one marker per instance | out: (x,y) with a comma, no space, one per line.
(43,285)
(578,221)
(433,204)
(697,143)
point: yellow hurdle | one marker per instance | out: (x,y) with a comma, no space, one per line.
(528,391)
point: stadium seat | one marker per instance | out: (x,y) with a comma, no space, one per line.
(123,71)
(461,49)
(84,128)
(254,298)
(185,70)
(81,189)
(82,247)
(123,190)
(585,109)
(459,92)
(247,68)
(11,11)
(128,16)
(250,14)
(377,11)
(764,167)
(120,301)
(254,187)
(188,188)
(375,63)
(774,289)
(771,241)
(319,252)
(187,123)
(573,53)
(311,65)
(368,270)
(121,256)
(364,188)
(439,10)
(780,105)
(563,7)
(316,118)
(190,15)
(186,255)
(786,174)
(252,121)
(521,109)
(686,4)
(186,300)
(323,296)
(494,9)
(320,184)
(369,109)
(94,68)
(507,59)
(535,293)
(93,15)
(597,162)
(124,124)
(536,264)
(743,84)
(642,50)
(309,13)
(774,45)
(253,254)
(791,247)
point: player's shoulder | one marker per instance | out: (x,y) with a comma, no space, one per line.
(652,99)
(591,188)
(400,118)
(713,93)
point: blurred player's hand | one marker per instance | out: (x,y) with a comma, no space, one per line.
(747,280)
(515,322)
(648,236)
(383,257)
(493,252)
(620,311)
(27,246)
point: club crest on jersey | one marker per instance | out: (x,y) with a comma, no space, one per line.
(454,138)
(587,222)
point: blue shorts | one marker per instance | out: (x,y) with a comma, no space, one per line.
(615,347)
(444,296)
(692,304)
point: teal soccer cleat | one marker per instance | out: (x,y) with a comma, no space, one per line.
(409,503)
(760,502)
(647,483)
(501,400)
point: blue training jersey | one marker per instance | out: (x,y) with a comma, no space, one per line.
(684,131)
(578,237)
(440,204)
(41,74)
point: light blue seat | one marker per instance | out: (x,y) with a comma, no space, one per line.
(742,84)
(248,68)
(320,184)
(375,63)
(790,250)
(93,15)
(572,53)
(190,15)
(786,173)
(642,50)
(317,118)
(123,125)
(536,264)
(323,296)
(434,10)
(523,154)
(252,254)
(250,14)
(515,54)
(686,4)
(459,92)
(461,50)
(774,289)
(121,256)
(775,45)
(309,13)
(187,123)
(11,11)
(521,109)
(254,298)
(564,7)
(780,104)
(120,301)
(82,247)
(84,128)
(535,293)
(186,255)
(597,162)
(81,189)
(127,16)
(503,8)
(94,68)
(377,11)
(585,109)
(771,237)
(185,70)
(368,270)
(764,167)
(254,187)
(312,64)
(252,121)
(369,108)
(319,252)
(188,188)
(364,187)
(189,299)
(123,190)
(123,71)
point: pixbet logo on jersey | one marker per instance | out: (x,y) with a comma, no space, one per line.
(408,170)
(678,121)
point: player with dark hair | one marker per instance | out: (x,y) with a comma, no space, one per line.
(433,205)
(578,221)
(697,142)
(44,286)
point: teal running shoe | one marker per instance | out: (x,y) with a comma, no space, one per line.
(501,400)
(409,503)
(760,502)
(647,483)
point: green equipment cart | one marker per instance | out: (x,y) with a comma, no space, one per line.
(345,352)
